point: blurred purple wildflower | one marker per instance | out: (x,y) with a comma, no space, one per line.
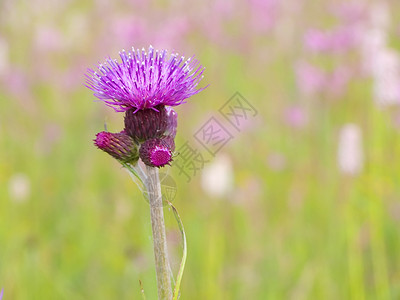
(48,39)
(127,29)
(349,12)
(295,117)
(1,294)
(145,80)
(310,79)
(264,14)
(316,40)
(338,40)
(339,80)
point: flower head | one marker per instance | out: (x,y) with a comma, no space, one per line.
(118,145)
(145,80)
(157,152)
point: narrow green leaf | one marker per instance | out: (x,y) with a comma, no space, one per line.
(184,254)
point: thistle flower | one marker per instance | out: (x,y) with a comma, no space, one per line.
(118,145)
(157,152)
(144,86)
(145,80)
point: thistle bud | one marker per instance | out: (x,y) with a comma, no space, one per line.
(119,145)
(172,122)
(147,123)
(157,152)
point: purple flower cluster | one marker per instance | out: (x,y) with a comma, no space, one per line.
(338,44)
(145,80)
(144,86)
(338,40)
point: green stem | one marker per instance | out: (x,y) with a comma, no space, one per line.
(159,236)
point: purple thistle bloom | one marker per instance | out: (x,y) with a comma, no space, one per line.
(145,80)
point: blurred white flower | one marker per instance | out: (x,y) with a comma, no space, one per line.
(372,42)
(386,76)
(19,187)
(350,150)
(217,177)
(3,56)
(378,60)
(380,15)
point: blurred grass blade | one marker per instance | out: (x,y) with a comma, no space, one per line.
(184,254)
(136,177)
(142,290)
(132,170)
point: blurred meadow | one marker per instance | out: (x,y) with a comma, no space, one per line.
(302,203)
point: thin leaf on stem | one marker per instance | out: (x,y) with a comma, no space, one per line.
(184,254)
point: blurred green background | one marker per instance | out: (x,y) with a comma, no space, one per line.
(306,200)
